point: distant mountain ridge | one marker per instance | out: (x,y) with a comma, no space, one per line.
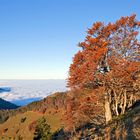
(7,105)
(5,89)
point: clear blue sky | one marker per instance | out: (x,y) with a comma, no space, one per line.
(38,38)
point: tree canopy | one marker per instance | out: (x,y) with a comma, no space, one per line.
(112,48)
(109,57)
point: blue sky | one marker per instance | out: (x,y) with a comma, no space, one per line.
(38,38)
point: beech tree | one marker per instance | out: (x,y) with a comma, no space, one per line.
(109,57)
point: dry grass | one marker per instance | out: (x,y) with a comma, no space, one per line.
(14,128)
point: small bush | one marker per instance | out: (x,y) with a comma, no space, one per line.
(42,130)
(23,120)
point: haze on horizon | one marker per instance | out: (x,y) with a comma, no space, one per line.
(38,38)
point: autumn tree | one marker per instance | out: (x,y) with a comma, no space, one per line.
(109,57)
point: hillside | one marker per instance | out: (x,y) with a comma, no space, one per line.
(74,114)
(61,110)
(124,127)
(7,105)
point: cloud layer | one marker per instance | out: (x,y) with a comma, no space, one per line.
(30,89)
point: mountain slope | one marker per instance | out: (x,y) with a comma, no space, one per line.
(7,105)
(125,127)
(65,112)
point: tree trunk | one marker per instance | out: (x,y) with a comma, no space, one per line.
(116,103)
(130,101)
(108,115)
(125,101)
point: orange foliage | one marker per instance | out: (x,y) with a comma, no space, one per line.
(82,106)
(109,52)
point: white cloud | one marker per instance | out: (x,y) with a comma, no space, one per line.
(24,89)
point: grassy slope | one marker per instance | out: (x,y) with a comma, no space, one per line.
(16,128)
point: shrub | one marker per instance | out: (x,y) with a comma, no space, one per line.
(42,130)
(23,119)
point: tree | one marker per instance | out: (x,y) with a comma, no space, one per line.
(42,130)
(109,57)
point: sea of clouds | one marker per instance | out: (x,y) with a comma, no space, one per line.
(25,91)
